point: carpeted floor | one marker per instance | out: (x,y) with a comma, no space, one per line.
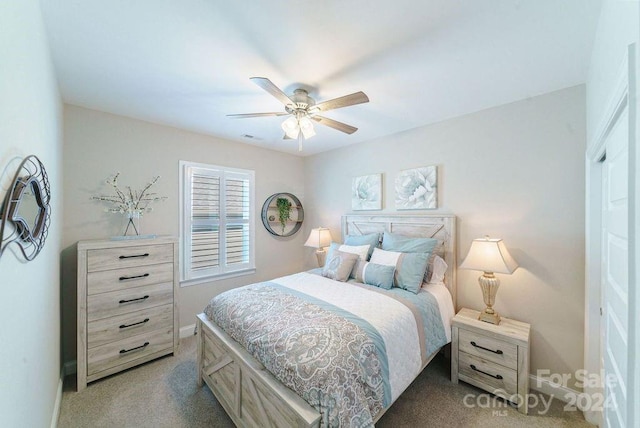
(163,393)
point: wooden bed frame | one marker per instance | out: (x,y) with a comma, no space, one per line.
(249,393)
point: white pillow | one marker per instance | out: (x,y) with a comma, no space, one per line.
(386,258)
(361,250)
(439,269)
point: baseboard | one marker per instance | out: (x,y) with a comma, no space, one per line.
(58,402)
(187,331)
(70,367)
(559,392)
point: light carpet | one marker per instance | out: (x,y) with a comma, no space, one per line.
(163,393)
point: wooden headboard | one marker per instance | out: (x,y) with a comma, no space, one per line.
(439,226)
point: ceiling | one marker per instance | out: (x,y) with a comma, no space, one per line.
(187,63)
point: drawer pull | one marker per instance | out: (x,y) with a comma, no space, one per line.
(499,352)
(136,255)
(135,323)
(125,278)
(478,370)
(124,351)
(133,300)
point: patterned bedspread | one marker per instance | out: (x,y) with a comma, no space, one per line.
(348,350)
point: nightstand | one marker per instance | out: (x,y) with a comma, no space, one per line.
(492,357)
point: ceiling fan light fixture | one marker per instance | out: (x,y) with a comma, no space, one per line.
(306,127)
(303,109)
(291,127)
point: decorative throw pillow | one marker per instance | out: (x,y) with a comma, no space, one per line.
(339,265)
(359,250)
(409,267)
(375,274)
(438,270)
(407,244)
(371,239)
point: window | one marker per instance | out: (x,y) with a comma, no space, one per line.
(216,223)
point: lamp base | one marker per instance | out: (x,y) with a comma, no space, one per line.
(321,255)
(489,285)
(493,318)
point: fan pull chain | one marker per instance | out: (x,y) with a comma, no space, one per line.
(300,142)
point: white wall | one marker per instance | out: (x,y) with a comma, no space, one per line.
(514,172)
(30,123)
(617,29)
(99,144)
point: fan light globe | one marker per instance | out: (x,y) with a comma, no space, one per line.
(291,127)
(306,127)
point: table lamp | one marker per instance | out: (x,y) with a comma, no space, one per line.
(489,256)
(319,238)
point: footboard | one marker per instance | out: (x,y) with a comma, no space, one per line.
(250,395)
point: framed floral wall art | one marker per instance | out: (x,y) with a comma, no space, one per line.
(416,189)
(366,192)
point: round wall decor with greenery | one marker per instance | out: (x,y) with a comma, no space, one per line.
(282,214)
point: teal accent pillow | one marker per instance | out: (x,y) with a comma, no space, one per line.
(374,274)
(409,267)
(407,244)
(372,239)
(410,271)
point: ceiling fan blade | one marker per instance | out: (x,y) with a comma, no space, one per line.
(246,115)
(346,101)
(347,129)
(268,86)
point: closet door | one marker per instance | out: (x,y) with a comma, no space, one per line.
(615,272)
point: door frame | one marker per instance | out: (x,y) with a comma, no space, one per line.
(623,96)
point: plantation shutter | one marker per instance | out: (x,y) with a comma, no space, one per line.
(237,194)
(205,222)
(217,221)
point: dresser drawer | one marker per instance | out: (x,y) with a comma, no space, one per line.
(120,279)
(116,258)
(488,348)
(494,375)
(112,329)
(113,354)
(106,305)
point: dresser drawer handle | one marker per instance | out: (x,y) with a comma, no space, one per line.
(499,352)
(125,278)
(135,323)
(478,370)
(136,255)
(124,351)
(133,300)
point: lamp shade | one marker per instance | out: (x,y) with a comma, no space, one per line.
(319,238)
(489,255)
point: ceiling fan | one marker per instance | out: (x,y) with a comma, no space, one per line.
(303,109)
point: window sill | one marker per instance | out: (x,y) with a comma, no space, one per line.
(212,278)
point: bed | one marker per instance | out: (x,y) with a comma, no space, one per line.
(255,393)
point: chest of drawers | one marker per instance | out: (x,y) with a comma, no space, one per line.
(127,304)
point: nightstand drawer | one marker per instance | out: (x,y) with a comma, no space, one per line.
(116,258)
(495,376)
(131,300)
(121,279)
(106,330)
(488,348)
(113,354)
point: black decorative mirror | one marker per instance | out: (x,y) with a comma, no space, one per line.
(25,210)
